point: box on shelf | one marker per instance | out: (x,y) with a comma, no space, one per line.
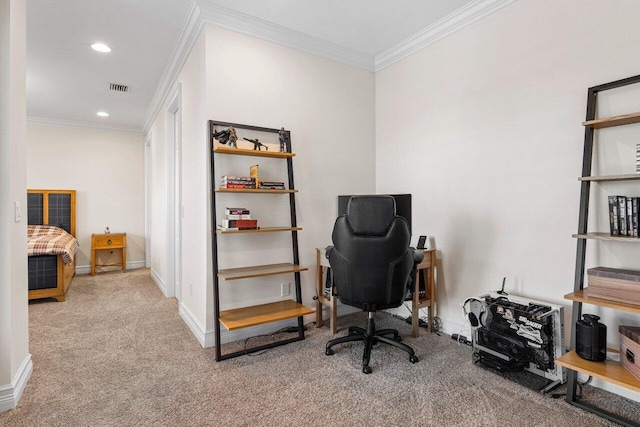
(630,349)
(614,284)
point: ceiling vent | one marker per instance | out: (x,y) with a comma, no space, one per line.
(118,87)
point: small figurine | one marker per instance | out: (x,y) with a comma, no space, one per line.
(223,136)
(283,140)
(256,144)
(233,138)
(107,231)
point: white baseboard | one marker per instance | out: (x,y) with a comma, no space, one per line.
(205,338)
(159,282)
(10,394)
(133,265)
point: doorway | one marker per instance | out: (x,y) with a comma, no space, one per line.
(174,195)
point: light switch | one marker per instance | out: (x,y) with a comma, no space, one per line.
(18,211)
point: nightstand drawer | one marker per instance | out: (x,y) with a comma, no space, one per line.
(105,241)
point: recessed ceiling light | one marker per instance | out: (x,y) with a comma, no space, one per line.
(101,47)
(102,114)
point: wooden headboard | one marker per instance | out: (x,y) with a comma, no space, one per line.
(52,207)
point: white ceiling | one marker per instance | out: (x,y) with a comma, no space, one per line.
(68,82)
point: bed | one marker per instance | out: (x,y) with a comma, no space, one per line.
(49,274)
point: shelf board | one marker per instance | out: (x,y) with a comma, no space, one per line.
(261,314)
(583,297)
(626,177)
(260,230)
(252,190)
(609,370)
(259,271)
(255,153)
(606,236)
(608,122)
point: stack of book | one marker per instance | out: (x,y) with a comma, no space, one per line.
(237,219)
(637,158)
(237,182)
(272,185)
(623,215)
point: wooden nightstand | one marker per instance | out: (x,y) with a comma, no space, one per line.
(106,242)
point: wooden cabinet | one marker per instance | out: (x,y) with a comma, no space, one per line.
(254,315)
(610,371)
(109,242)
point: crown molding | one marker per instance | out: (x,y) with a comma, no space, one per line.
(188,36)
(451,23)
(204,12)
(85,125)
(246,24)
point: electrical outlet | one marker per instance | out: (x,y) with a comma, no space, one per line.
(285,289)
(18,211)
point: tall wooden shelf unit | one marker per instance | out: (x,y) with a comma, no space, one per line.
(610,371)
(263,313)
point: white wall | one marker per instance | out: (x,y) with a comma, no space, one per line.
(106,168)
(15,360)
(329,108)
(190,85)
(484,128)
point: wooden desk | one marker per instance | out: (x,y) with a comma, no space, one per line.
(425,279)
(425,297)
(330,301)
(108,242)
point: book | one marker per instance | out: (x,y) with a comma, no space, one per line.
(622,214)
(271,187)
(614,222)
(635,202)
(629,217)
(241,224)
(236,211)
(235,217)
(236,178)
(240,186)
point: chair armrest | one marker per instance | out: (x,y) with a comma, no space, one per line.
(418,256)
(327,251)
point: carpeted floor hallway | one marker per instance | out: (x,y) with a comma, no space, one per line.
(116,353)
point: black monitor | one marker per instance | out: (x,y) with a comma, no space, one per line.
(403,205)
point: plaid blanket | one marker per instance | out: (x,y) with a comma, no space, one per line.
(50,240)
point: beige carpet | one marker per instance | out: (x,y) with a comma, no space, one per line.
(116,353)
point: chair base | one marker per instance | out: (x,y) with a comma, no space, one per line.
(370,337)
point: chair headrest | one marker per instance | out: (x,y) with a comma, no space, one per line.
(371,215)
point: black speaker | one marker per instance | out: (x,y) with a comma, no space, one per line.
(591,338)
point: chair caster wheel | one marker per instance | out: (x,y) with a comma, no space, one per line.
(367,369)
(413,359)
(328,351)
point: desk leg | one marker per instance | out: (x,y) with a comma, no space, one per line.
(124,259)
(415,310)
(333,317)
(432,294)
(319,290)
(93,262)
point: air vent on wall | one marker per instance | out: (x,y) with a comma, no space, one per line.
(118,87)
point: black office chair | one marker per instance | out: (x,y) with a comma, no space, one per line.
(372,265)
